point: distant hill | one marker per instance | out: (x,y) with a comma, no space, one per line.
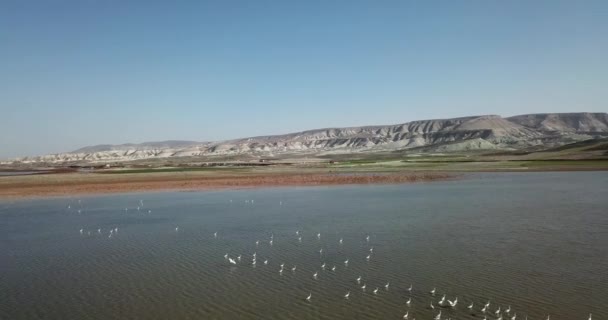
(475,133)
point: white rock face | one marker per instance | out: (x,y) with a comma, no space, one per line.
(443,135)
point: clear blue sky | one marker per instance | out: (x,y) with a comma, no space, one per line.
(77,73)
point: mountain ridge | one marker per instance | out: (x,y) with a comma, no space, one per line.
(469,133)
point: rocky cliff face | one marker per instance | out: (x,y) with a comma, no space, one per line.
(443,135)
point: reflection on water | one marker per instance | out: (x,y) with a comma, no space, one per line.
(536,242)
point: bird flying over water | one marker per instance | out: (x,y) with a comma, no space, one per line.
(438,316)
(453,303)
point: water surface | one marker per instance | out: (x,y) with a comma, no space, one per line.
(535,241)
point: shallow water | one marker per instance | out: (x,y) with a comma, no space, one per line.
(535,241)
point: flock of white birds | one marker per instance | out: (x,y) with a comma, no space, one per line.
(498,313)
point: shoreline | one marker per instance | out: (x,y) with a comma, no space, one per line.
(62,185)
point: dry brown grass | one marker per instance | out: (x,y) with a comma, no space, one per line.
(75,183)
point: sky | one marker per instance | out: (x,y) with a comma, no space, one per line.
(87,72)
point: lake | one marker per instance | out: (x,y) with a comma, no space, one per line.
(537,242)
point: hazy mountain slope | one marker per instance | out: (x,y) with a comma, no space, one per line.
(440,135)
(564,122)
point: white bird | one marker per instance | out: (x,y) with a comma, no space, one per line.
(270,242)
(453,303)
(266,262)
(409,302)
(499,318)
(347,295)
(371,250)
(438,316)
(318,235)
(255,254)
(410,288)
(548,317)
(176,229)
(442,300)
(254,262)
(299,239)
(386,285)
(297,232)
(368,257)
(81,231)
(514,317)
(406,315)
(333,268)
(433,291)
(508,310)
(321,251)
(98,230)
(367,238)
(293,269)
(359,279)
(432,306)
(590,316)
(470,307)
(341,241)
(281,272)
(364,286)
(309,296)
(231,261)
(488,304)
(346,262)
(314,275)
(115,230)
(239,258)
(323,266)
(257,243)
(497,311)
(484,309)
(376,290)
(226,256)
(215,235)
(282,265)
